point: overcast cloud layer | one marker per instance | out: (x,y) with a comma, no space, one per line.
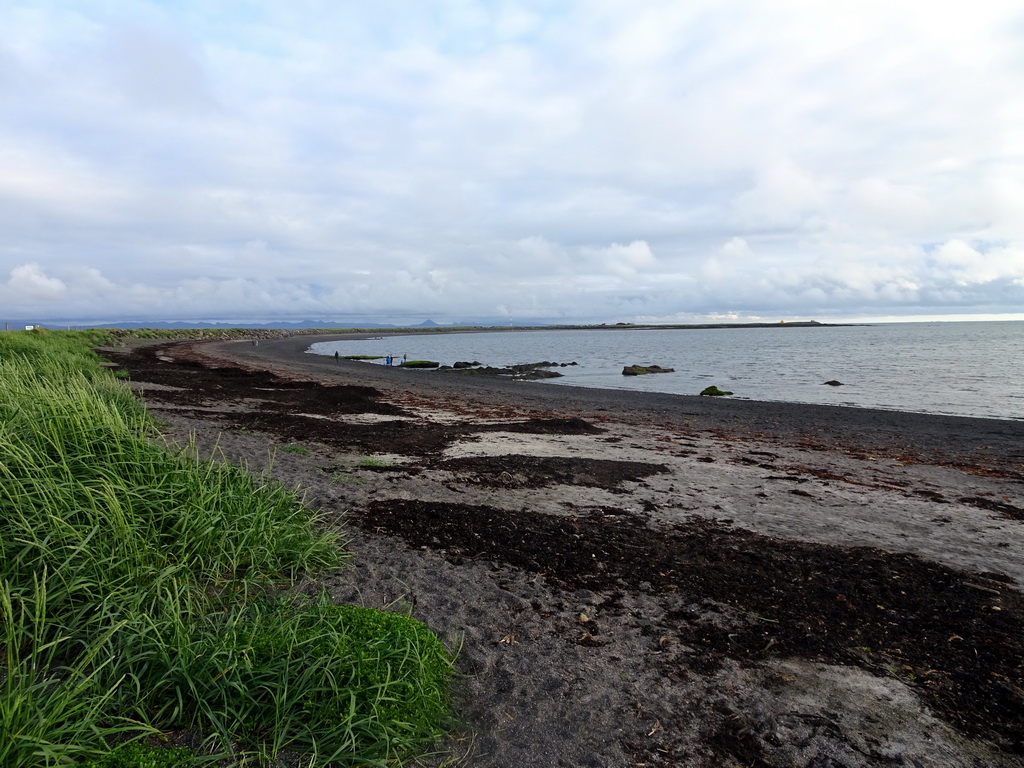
(590,160)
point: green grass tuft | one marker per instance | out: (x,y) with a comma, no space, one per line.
(141,591)
(373,463)
(135,755)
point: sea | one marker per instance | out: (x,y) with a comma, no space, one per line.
(950,368)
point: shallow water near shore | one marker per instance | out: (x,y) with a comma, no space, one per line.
(958,369)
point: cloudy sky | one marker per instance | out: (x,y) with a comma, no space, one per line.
(578,160)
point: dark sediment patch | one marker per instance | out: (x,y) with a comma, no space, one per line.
(957,642)
(566,426)
(1001,508)
(195,383)
(516,471)
(410,438)
(289,409)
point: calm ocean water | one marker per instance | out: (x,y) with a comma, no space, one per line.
(964,369)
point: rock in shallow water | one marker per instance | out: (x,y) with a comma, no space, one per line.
(714,391)
(640,370)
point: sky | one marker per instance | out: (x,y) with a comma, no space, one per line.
(536,161)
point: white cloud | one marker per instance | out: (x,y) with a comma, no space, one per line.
(622,260)
(892,208)
(784,195)
(969,266)
(730,263)
(309,157)
(156,72)
(39,181)
(92,281)
(29,282)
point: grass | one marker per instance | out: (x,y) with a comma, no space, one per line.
(373,463)
(136,755)
(345,477)
(144,590)
(296,448)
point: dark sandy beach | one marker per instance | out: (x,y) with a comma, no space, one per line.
(636,579)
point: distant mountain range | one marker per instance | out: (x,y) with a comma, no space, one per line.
(296,325)
(276,324)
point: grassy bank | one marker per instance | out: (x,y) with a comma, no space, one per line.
(143,591)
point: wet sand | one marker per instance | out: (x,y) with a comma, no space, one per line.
(644,579)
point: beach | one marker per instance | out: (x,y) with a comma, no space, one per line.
(635,579)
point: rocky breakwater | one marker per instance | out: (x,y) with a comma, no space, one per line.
(522,372)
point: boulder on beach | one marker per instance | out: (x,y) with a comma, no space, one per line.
(640,370)
(714,391)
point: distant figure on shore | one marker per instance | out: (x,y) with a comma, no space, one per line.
(405,359)
(336,356)
(387,360)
